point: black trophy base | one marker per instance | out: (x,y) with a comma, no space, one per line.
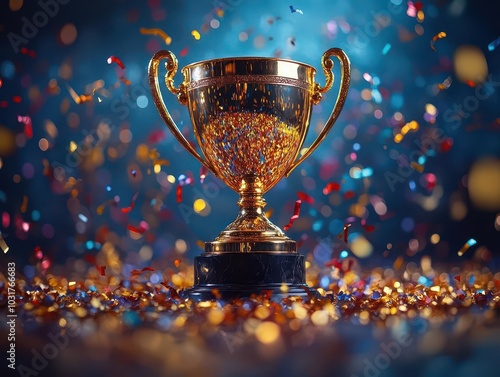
(228,276)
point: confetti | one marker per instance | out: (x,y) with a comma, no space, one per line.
(113,59)
(158,32)
(178,193)
(386,49)
(494,44)
(295,216)
(466,246)
(305,198)
(417,167)
(132,204)
(369,228)
(345,233)
(82,217)
(139,272)
(349,194)
(445,84)
(79,99)
(28,125)
(203,173)
(177,262)
(332,186)
(28,52)
(412,126)
(156,136)
(24,205)
(3,244)
(196,35)
(93,260)
(138,230)
(439,35)
(293,10)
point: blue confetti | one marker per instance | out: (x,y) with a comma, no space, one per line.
(494,44)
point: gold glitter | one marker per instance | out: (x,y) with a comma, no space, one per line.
(240,144)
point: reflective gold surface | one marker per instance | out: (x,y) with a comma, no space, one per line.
(250,117)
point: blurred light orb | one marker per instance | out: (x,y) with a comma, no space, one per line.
(361,247)
(484,184)
(470,64)
(7,141)
(68,34)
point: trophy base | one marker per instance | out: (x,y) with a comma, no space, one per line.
(238,275)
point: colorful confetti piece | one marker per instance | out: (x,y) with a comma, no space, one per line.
(493,45)
(439,35)
(466,246)
(295,216)
(159,32)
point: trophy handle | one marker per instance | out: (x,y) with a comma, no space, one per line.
(171,66)
(345,79)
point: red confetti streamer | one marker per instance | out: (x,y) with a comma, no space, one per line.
(305,198)
(138,272)
(332,186)
(172,290)
(446,145)
(113,59)
(296,213)
(179,193)
(369,228)
(132,204)
(345,232)
(28,126)
(349,194)
(203,173)
(134,229)
(89,258)
(334,263)
(30,53)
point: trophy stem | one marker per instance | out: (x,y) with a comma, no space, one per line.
(252,231)
(251,200)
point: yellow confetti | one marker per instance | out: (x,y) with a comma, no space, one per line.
(412,126)
(166,38)
(196,35)
(439,35)
(3,245)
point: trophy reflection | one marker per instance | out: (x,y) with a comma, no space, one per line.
(250,118)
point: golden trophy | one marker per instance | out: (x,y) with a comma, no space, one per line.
(250,117)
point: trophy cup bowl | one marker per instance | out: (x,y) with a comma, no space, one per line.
(250,117)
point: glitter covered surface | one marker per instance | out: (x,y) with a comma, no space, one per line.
(102,211)
(242,144)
